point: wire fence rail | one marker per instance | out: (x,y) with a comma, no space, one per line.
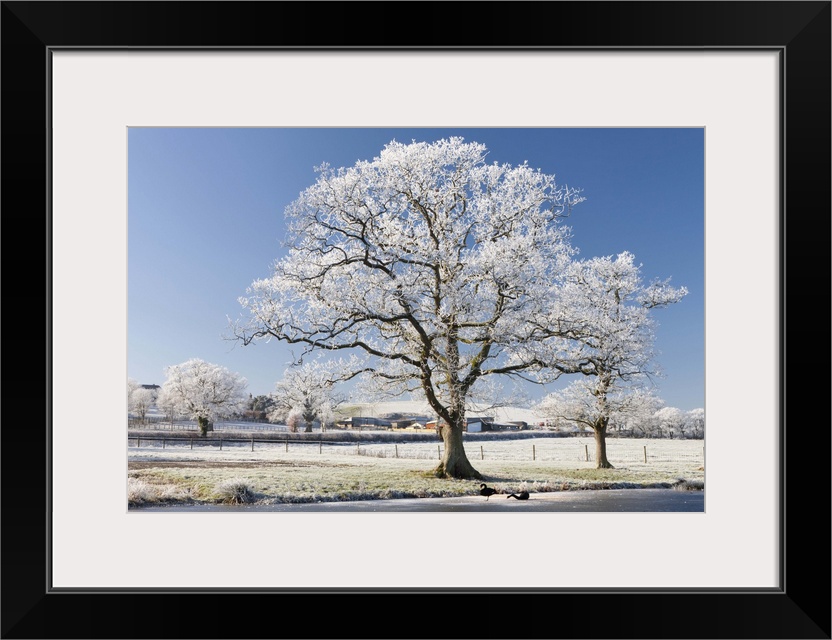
(558,451)
(159,424)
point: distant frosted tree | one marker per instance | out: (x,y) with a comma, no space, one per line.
(671,422)
(204,392)
(581,404)
(605,310)
(294,419)
(638,418)
(132,385)
(167,404)
(695,421)
(141,400)
(326,413)
(428,262)
(310,389)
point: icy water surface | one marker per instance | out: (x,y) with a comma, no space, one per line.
(606,501)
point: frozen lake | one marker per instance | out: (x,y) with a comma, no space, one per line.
(607,501)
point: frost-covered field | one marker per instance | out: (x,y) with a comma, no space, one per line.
(310,472)
(563,450)
(566,450)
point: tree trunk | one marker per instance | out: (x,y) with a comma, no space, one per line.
(600,429)
(308,428)
(455,463)
(203,426)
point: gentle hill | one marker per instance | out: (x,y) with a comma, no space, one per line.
(421,408)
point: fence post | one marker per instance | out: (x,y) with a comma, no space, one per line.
(586,450)
(192,443)
(320,445)
(645,454)
(358,448)
(138,442)
(397,450)
(534,457)
(252,443)
(438,452)
(287,443)
(482,453)
(220,444)
(164,443)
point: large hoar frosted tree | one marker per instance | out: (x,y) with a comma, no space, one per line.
(428,262)
(203,391)
(605,310)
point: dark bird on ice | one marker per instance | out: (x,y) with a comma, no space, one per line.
(523,495)
(487,491)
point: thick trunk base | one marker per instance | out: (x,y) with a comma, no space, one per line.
(455,463)
(461,470)
(601,461)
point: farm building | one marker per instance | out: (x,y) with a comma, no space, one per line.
(416,422)
(361,421)
(472,424)
(478,424)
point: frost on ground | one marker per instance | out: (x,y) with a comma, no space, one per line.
(313,474)
(141,492)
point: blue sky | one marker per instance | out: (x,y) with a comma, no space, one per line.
(205,219)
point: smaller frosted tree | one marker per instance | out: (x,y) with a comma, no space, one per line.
(309,390)
(604,313)
(293,420)
(141,400)
(582,404)
(695,421)
(637,419)
(204,392)
(167,405)
(671,422)
(132,386)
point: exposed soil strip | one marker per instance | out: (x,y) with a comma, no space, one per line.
(134,465)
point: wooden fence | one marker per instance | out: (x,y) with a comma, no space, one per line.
(560,451)
(156,424)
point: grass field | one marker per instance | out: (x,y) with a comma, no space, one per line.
(275,473)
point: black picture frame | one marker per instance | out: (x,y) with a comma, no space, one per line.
(800,608)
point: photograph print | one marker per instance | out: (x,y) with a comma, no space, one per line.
(425,319)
